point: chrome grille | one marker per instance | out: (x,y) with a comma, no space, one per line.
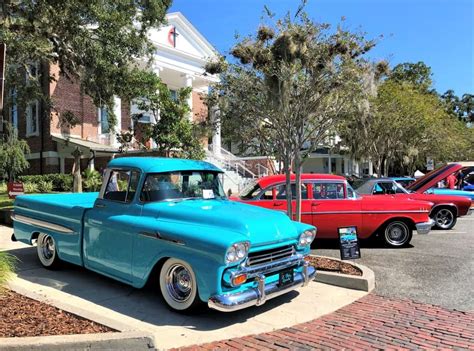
(272,255)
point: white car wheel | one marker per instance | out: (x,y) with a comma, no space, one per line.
(397,234)
(46,249)
(178,285)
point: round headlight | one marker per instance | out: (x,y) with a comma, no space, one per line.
(231,254)
(237,252)
(307,237)
(241,250)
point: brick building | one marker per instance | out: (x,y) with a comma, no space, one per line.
(181,53)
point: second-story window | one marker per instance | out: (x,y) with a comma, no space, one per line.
(32,118)
(13,109)
(104,120)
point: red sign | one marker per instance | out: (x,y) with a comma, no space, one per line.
(15,189)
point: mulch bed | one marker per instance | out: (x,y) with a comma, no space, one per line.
(22,316)
(327,264)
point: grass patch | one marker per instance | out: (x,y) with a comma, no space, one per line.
(7,265)
(5,202)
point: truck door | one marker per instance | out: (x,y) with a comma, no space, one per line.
(109,227)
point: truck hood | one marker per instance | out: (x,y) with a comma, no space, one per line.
(258,225)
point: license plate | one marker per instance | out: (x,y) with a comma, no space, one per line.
(286,277)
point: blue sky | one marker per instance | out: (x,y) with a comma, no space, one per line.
(438,32)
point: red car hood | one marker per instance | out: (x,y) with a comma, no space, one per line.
(430,179)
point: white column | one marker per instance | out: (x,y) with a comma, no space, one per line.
(118,117)
(371,169)
(346,166)
(188,83)
(216,131)
(329,164)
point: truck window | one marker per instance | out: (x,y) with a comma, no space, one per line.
(122,185)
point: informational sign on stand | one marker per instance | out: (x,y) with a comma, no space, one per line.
(348,243)
(15,189)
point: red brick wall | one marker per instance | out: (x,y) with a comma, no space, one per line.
(200,113)
(67,96)
(199,107)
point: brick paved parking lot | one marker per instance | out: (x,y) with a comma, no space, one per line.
(373,322)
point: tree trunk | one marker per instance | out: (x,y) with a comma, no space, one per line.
(378,166)
(289,195)
(298,187)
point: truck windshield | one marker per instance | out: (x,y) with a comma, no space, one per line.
(183,185)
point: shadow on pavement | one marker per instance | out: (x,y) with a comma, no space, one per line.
(144,304)
(373,243)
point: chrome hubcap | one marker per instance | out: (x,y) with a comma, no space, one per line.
(396,233)
(444,218)
(179,283)
(47,247)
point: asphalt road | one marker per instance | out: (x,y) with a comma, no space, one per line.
(438,268)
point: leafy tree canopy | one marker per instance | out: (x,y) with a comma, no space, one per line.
(291,83)
(419,74)
(94,42)
(12,154)
(174,133)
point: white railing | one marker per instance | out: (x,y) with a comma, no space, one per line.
(231,162)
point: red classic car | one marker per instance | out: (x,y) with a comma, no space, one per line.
(446,208)
(329,202)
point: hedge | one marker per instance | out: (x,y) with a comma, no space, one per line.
(59,182)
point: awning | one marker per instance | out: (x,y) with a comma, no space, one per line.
(84,144)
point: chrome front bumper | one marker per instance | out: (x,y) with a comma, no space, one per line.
(263,292)
(425,227)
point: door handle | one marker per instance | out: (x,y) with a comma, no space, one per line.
(100,205)
(277,203)
(314,204)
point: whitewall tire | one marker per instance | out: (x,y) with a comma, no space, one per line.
(47,252)
(178,285)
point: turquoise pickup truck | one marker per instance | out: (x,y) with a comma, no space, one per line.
(168,220)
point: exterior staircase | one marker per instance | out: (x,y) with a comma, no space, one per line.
(237,174)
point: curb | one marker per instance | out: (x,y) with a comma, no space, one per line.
(100,341)
(366,282)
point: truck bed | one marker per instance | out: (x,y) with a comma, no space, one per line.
(57,214)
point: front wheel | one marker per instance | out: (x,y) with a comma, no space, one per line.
(178,286)
(444,218)
(46,250)
(397,234)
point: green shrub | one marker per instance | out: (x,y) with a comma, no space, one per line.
(30,187)
(91,180)
(7,264)
(45,186)
(60,182)
(3,188)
